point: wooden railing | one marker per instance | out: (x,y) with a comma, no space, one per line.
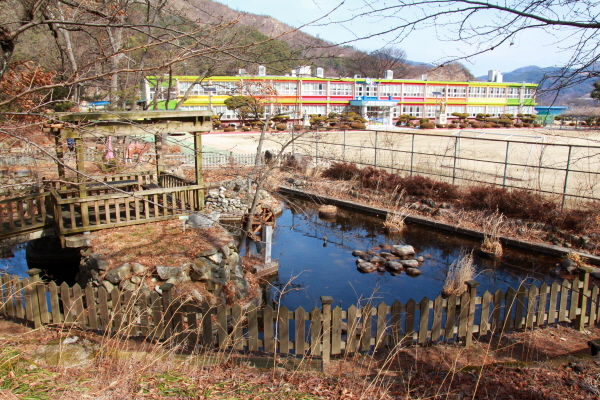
(74,214)
(320,332)
(24,214)
(168,180)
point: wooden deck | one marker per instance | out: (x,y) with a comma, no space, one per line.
(114,204)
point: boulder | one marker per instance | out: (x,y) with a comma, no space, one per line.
(409,263)
(365,267)
(108,286)
(394,266)
(166,273)
(201,269)
(420,259)
(569,265)
(377,260)
(127,285)
(135,279)
(413,272)
(96,262)
(116,275)
(138,269)
(403,250)
(360,253)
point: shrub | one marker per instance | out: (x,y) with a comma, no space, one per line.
(459,272)
(281,127)
(475,125)
(342,171)
(463,126)
(440,126)
(358,125)
(487,125)
(427,125)
(62,106)
(496,125)
(517,125)
(423,120)
(246,128)
(298,127)
(537,124)
(452,126)
(229,129)
(418,185)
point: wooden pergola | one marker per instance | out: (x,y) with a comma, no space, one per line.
(95,206)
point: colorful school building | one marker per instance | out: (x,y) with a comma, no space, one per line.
(381,101)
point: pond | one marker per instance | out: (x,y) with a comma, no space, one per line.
(312,266)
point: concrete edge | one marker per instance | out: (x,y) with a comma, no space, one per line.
(543,248)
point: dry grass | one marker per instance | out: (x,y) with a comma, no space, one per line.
(491,245)
(394,222)
(459,272)
(160,243)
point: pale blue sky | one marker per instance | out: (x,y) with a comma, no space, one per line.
(529,48)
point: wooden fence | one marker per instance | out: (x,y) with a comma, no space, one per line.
(23,214)
(320,332)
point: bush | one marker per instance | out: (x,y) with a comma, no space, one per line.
(475,125)
(358,125)
(518,203)
(463,126)
(487,125)
(342,171)
(517,125)
(423,120)
(452,126)
(427,125)
(246,128)
(441,126)
(570,124)
(229,129)
(538,125)
(281,127)
(496,125)
(298,127)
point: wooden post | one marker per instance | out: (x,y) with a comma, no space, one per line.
(166,303)
(267,232)
(198,157)
(584,277)
(34,275)
(472,285)
(59,153)
(326,308)
(160,159)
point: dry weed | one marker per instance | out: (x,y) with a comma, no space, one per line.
(459,272)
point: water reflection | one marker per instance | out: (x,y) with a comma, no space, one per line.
(315,260)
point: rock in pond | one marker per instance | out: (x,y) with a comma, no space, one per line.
(361,254)
(377,260)
(366,267)
(409,263)
(394,266)
(413,272)
(403,250)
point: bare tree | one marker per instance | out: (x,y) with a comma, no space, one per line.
(374,65)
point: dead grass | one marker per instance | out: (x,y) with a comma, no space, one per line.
(460,271)
(160,243)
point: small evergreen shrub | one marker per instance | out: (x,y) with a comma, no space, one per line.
(246,128)
(475,125)
(518,125)
(463,126)
(452,126)
(423,120)
(298,127)
(427,125)
(281,127)
(487,125)
(358,125)
(229,129)
(441,126)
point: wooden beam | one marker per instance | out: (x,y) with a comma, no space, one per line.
(121,129)
(59,153)
(129,115)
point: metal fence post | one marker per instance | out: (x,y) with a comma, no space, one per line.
(317,147)
(505,164)
(293,142)
(455,155)
(412,154)
(375,148)
(344,148)
(566,178)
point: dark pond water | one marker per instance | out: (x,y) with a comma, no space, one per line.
(308,269)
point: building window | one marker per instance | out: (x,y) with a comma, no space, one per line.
(366,90)
(474,110)
(229,88)
(514,110)
(395,112)
(457,91)
(318,110)
(338,109)
(513,93)
(414,90)
(497,92)
(286,109)
(454,109)
(314,89)
(430,111)
(479,92)
(286,88)
(434,89)
(224,113)
(528,94)
(340,89)
(415,111)
(495,110)
(527,110)
(390,90)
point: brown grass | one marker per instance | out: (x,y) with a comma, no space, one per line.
(459,272)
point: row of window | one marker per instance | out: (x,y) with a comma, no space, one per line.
(346,89)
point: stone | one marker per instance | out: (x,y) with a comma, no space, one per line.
(108,286)
(569,265)
(225,250)
(138,269)
(409,263)
(216,258)
(386,255)
(413,272)
(377,260)
(442,212)
(360,253)
(206,253)
(233,259)
(201,269)
(166,273)
(136,279)
(94,261)
(403,250)
(78,241)
(366,267)
(394,266)
(127,285)
(116,275)
(237,271)
(420,259)
(201,221)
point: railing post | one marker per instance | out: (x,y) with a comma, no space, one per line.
(455,155)
(375,155)
(326,302)
(316,147)
(472,287)
(344,148)
(34,277)
(566,178)
(505,164)
(412,154)
(584,280)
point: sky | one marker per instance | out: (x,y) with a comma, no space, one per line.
(530,47)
